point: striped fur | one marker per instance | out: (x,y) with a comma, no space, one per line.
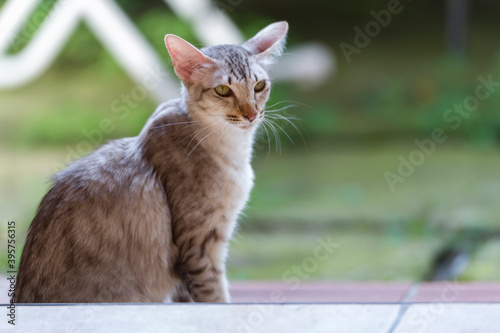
(148,218)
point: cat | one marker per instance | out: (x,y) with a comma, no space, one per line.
(148,218)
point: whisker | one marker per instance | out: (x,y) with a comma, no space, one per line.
(294,102)
(287,119)
(279,116)
(276,135)
(179,123)
(268,140)
(280,102)
(283,130)
(281,109)
(195,134)
(206,136)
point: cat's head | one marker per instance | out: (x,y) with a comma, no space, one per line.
(228,84)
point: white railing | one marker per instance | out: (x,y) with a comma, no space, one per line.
(125,43)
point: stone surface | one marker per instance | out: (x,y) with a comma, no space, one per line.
(234,318)
(450,318)
(338,318)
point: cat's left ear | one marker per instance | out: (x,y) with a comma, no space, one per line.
(269,42)
(188,60)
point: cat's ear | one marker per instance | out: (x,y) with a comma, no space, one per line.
(269,42)
(187,59)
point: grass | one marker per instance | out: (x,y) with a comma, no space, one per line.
(455,186)
(282,255)
(485,263)
(296,200)
(43,114)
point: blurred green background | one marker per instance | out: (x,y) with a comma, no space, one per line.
(356,126)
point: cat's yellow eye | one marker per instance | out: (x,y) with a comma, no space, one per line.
(223,90)
(259,86)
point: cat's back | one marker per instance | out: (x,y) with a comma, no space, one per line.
(83,243)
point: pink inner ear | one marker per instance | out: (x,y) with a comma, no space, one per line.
(186,58)
(264,43)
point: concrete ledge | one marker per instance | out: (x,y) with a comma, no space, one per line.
(272,318)
(450,318)
(366,307)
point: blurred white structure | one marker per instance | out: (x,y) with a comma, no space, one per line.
(126,44)
(309,65)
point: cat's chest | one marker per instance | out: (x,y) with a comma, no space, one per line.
(233,196)
(237,184)
(230,179)
(213,190)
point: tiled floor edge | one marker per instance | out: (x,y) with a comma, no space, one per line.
(412,291)
(404,306)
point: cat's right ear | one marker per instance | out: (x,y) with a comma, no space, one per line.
(187,59)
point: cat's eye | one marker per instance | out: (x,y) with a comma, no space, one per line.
(259,86)
(223,90)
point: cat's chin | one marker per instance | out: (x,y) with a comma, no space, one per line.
(247,126)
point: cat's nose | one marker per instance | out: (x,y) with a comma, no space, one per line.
(251,117)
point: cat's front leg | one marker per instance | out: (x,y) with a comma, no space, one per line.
(202,269)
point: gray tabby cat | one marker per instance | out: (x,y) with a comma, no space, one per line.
(148,218)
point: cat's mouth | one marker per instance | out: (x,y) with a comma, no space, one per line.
(245,122)
(249,125)
(233,120)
